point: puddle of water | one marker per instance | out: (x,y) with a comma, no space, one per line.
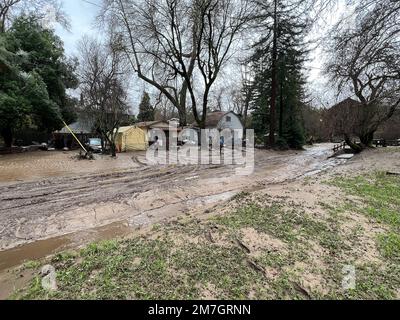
(43,248)
(32,251)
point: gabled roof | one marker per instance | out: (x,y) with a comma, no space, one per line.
(125,129)
(81,126)
(345,103)
(150,124)
(215,117)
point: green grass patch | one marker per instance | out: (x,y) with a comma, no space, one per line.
(285,224)
(389,246)
(31,264)
(380,193)
(373,281)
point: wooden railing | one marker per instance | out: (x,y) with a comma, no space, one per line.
(385,143)
(339,147)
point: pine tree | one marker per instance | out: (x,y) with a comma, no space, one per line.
(279,76)
(146,111)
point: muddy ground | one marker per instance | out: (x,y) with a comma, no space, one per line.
(56,209)
(50,201)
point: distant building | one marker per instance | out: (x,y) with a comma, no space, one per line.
(222,120)
(83,128)
(348,117)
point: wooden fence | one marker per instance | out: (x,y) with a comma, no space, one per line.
(339,147)
(386,143)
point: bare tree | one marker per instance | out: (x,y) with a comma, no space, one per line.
(11,8)
(242,95)
(366,58)
(179,46)
(103,86)
(158,42)
(219,23)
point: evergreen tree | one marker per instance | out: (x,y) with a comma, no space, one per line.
(146,111)
(289,32)
(33,80)
(43,53)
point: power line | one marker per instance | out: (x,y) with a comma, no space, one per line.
(94,4)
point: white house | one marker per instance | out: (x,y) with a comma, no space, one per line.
(226,122)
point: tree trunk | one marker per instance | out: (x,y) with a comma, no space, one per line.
(182,106)
(111,141)
(281,111)
(355,147)
(113,150)
(182,118)
(7,135)
(272,114)
(367,139)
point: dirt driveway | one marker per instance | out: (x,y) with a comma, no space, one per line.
(51,196)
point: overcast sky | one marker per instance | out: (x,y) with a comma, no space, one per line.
(82,15)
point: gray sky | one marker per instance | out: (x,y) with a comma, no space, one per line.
(82,15)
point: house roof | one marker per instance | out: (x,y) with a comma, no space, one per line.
(345,103)
(149,124)
(80,126)
(215,117)
(125,129)
(155,124)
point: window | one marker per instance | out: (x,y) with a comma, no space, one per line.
(228,119)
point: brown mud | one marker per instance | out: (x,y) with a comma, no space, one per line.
(41,210)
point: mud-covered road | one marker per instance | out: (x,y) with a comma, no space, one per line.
(69,201)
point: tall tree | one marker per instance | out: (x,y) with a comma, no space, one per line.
(274,89)
(42,9)
(366,59)
(32,64)
(277,63)
(179,46)
(14,107)
(219,24)
(43,52)
(146,111)
(103,86)
(158,42)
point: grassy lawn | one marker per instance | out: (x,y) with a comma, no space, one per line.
(264,248)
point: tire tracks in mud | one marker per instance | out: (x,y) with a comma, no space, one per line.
(53,197)
(36,205)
